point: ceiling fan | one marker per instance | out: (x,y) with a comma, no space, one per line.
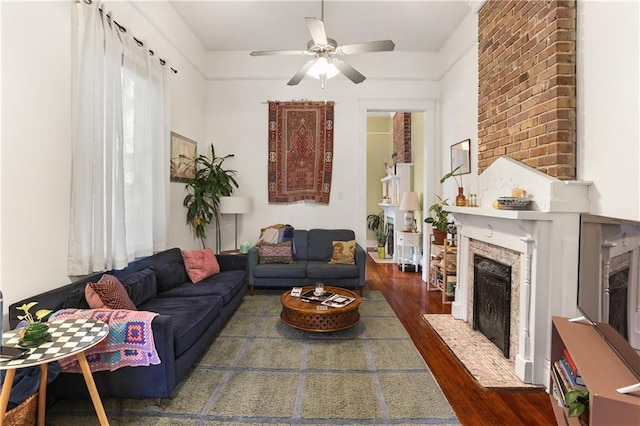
(327,62)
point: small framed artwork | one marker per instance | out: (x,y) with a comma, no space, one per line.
(183,158)
(461,157)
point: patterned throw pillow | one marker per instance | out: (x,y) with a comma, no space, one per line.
(109,293)
(275,253)
(343,252)
(200,264)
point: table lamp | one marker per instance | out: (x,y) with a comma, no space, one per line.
(409,203)
(235,205)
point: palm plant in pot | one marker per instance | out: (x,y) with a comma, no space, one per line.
(202,202)
(378,224)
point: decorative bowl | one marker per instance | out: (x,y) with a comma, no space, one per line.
(514,203)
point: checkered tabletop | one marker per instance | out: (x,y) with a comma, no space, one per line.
(68,337)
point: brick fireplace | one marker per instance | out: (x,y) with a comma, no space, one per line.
(540,246)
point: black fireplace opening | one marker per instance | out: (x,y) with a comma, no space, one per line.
(618,301)
(492,301)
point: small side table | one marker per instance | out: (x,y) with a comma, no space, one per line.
(68,338)
(404,240)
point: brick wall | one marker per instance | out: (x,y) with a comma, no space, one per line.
(527,84)
(402,136)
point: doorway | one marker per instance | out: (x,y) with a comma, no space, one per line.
(423,157)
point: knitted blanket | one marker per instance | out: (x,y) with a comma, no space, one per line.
(129,343)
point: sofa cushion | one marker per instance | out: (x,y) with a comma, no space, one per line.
(298,269)
(300,243)
(168,266)
(108,292)
(141,286)
(275,253)
(200,264)
(225,284)
(191,316)
(321,242)
(343,252)
(318,270)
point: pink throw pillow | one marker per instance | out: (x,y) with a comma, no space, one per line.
(200,264)
(109,293)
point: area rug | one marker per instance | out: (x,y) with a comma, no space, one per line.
(261,371)
(482,359)
(300,158)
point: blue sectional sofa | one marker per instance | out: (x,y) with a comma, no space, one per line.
(313,250)
(190,316)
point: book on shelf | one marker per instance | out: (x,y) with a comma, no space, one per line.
(310,296)
(338,301)
(559,385)
(564,381)
(567,372)
(573,369)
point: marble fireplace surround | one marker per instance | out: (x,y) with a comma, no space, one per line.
(542,241)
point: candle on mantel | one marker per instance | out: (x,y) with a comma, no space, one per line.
(517,192)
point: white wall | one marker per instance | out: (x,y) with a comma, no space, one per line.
(36,132)
(608,68)
(458,108)
(237,123)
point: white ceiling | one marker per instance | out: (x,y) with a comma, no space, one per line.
(416,25)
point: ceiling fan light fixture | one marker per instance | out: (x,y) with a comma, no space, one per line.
(323,67)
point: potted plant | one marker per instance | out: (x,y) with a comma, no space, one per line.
(377,223)
(211,182)
(36,332)
(439,220)
(577,401)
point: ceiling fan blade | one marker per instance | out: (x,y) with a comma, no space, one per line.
(297,78)
(279,52)
(348,71)
(316,29)
(371,46)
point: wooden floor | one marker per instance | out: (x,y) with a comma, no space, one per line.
(474,405)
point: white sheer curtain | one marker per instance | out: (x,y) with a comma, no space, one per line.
(119,181)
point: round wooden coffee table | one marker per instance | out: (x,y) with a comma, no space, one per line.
(306,315)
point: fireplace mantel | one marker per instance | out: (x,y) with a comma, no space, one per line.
(546,239)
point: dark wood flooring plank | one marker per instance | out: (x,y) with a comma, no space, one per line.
(474,405)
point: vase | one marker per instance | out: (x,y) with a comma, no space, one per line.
(381,254)
(461,200)
(34,335)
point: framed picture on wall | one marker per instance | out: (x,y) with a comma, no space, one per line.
(183,158)
(461,157)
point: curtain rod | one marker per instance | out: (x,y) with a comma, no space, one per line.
(124,30)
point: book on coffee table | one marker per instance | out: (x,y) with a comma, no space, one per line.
(310,296)
(338,301)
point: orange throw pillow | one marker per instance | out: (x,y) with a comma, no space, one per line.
(200,264)
(109,293)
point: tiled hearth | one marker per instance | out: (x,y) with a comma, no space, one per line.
(540,245)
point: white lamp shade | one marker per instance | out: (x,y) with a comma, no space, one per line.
(322,66)
(409,201)
(235,205)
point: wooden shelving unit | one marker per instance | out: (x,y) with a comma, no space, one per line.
(603,373)
(443,274)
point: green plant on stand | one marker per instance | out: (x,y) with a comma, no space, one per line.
(439,220)
(438,214)
(377,224)
(36,333)
(204,192)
